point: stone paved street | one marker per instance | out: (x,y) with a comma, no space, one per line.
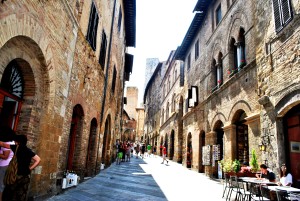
(146,179)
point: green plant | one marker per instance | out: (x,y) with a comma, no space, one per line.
(253,161)
(236,165)
(226,165)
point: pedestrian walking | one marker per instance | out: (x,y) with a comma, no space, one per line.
(164,155)
(154,150)
(137,150)
(149,147)
(143,149)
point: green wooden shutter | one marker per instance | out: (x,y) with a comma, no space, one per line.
(286,11)
(277,15)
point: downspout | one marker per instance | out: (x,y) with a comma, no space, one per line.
(106,77)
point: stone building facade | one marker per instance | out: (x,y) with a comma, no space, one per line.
(140,121)
(278,64)
(170,95)
(63,65)
(240,87)
(132,101)
(219,56)
(152,101)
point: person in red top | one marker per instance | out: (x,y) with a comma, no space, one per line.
(164,155)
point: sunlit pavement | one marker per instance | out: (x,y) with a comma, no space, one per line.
(143,180)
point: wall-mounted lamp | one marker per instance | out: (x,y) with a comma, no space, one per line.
(262,147)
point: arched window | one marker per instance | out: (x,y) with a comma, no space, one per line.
(233,57)
(11,95)
(167,111)
(173,103)
(162,117)
(169,83)
(241,54)
(219,67)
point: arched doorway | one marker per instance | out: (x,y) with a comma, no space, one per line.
(180,131)
(218,129)
(75,138)
(292,139)
(242,138)
(91,153)
(11,95)
(161,145)
(189,151)
(201,145)
(172,141)
(106,143)
(167,144)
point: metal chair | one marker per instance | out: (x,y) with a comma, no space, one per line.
(294,197)
(234,186)
(282,195)
(226,184)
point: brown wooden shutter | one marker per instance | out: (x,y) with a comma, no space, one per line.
(277,15)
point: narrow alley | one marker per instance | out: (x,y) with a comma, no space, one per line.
(146,179)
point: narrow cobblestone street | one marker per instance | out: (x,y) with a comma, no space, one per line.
(146,179)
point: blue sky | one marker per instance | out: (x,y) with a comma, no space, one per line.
(160,27)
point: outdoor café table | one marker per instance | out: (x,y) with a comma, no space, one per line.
(289,189)
(256,181)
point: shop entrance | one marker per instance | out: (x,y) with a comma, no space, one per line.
(292,142)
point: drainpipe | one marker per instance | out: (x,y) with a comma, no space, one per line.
(106,76)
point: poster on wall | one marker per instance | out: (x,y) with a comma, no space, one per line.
(215,154)
(206,155)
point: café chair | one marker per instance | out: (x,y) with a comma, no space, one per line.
(294,197)
(282,195)
(226,184)
(234,186)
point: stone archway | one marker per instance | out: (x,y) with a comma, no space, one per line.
(75,138)
(201,145)
(291,148)
(179,147)
(172,144)
(90,167)
(189,151)
(106,142)
(241,152)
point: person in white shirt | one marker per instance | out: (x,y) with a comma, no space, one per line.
(285,176)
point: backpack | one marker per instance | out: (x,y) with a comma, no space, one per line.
(12,170)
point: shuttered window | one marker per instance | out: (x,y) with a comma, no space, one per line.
(113,85)
(91,36)
(282,13)
(181,74)
(103,50)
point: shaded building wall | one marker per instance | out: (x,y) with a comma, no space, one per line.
(61,72)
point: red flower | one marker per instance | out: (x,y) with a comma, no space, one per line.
(219,81)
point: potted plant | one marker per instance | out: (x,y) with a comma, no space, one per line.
(253,162)
(236,166)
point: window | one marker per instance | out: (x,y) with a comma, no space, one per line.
(173,103)
(164,90)
(113,85)
(120,19)
(241,54)
(218,15)
(103,50)
(91,36)
(175,75)
(169,83)
(189,62)
(197,50)
(167,111)
(282,13)
(162,117)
